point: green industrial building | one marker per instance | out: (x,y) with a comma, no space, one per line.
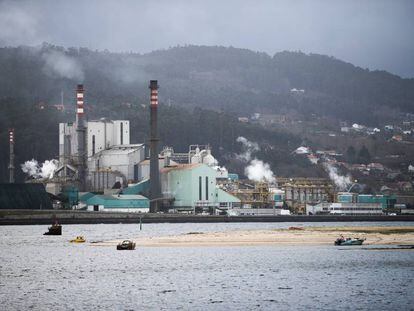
(193,187)
(386,201)
(118,203)
(188,188)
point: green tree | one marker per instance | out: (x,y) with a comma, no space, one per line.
(363,155)
(351,154)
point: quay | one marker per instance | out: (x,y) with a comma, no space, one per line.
(41,217)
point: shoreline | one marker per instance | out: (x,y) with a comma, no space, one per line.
(309,236)
(45,217)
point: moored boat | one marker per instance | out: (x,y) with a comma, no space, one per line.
(349,241)
(78,239)
(126,245)
(55,229)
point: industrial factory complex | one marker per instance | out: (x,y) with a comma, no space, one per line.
(100,170)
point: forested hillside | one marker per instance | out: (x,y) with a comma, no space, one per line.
(229,79)
(202,92)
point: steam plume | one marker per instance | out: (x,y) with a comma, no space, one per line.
(256,170)
(249,147)
(342,182)
(63,65)
(46,170)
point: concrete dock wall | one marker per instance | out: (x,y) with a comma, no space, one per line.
(31,217)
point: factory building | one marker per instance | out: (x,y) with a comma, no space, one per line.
(110,156)
(387,201)
(197,154)
(193,187)
(118,203)
(144,166)
(101,134)
(257,198)
(97,156)
(116,164)
(349,203)
(344,209)
(302,191)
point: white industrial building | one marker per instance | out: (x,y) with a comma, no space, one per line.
(100,135)
(110,156)
(344,209)
(117,163)
(103,134)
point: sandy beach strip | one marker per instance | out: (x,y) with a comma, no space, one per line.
(292,236)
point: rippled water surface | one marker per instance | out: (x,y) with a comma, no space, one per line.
(46,272)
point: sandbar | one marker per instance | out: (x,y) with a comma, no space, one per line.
(292,236)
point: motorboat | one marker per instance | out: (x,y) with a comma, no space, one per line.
(349,241)
(78,239)
(126,245)
(55,229)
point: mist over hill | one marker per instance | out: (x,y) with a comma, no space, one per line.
(202,92)
(233,80)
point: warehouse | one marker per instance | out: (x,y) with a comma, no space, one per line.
(118,203)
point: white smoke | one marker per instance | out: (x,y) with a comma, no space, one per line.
(249,147)
(256,170)
(31,168)
(342,182)
(46,170)
(65,66)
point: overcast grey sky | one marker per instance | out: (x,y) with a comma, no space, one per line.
(372,34)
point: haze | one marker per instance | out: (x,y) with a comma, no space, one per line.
(370,34)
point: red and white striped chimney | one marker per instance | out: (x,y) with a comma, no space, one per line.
(154,93)
(79,100)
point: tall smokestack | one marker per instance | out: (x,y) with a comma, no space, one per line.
(11,163)
(155,188)
(80,130)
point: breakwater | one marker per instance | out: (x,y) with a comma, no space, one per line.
(38,217)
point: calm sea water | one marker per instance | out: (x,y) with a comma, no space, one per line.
(46,272)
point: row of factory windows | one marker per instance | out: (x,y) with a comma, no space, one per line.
(352,208)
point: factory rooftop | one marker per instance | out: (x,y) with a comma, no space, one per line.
(180,167)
